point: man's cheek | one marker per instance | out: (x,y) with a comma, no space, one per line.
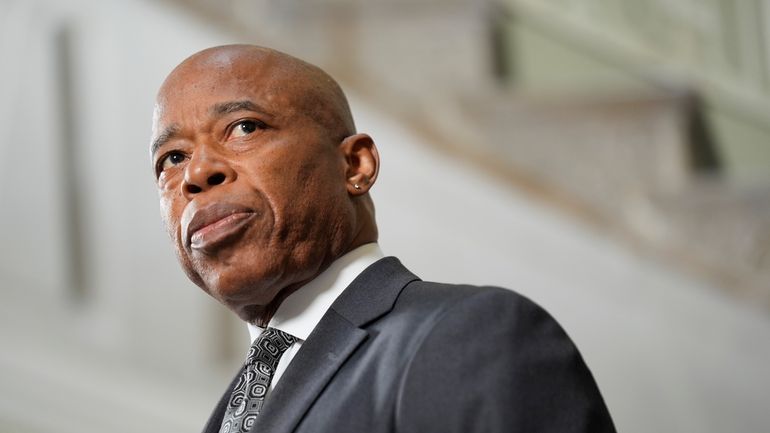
(170,218)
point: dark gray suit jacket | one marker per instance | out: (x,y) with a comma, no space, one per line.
(396,354)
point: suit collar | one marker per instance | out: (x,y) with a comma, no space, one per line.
(372,294)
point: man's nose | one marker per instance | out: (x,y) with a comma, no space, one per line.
(204,171)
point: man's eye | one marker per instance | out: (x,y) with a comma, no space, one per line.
(246,127)
(170,160)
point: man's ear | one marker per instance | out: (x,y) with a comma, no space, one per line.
(363,163)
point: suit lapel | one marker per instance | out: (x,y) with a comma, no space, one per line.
(331,343)
(311,369)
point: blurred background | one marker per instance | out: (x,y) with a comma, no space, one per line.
(609,159)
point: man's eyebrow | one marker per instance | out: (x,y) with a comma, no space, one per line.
(167,134)
(233,106)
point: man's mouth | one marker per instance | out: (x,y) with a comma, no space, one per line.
(216,225)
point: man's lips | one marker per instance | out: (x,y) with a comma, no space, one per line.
(214,224)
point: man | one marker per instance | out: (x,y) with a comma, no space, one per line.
(263,184)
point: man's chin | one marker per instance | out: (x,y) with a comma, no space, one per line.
(240,296)
(251,313)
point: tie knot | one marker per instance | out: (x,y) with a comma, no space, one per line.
(270,345)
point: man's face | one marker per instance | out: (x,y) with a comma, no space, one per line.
(252,189)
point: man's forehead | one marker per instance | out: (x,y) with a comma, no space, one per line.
(219,101)
(209,84)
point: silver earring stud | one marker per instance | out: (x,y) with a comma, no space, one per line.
(356,186)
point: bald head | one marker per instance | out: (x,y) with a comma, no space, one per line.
(263,180)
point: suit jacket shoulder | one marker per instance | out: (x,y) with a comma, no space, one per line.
(492,360)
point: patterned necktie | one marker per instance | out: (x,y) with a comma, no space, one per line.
(249,393)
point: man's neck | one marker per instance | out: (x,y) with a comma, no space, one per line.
(301,310)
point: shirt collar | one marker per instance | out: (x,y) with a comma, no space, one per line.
(301,311)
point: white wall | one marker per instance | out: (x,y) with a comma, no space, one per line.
(145,349)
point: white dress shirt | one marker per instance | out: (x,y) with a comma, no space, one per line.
(301,311)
